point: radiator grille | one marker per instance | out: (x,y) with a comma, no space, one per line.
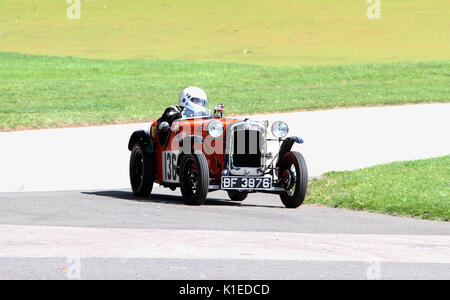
(247,148)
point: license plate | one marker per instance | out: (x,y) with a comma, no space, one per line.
(246,183)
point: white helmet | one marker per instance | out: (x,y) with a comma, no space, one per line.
(194,99)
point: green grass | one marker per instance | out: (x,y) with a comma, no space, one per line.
(40,92)
(419,188)
(263,32)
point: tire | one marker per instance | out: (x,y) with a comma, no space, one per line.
(142,171)
(293,161)
(194,178)
(237,196)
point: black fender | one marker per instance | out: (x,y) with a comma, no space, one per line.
(286,146)
(144,139)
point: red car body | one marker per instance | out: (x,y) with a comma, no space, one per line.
(215,162)
(204,154)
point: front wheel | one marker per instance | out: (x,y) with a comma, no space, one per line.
(142,171)
(194,178)
(293,176)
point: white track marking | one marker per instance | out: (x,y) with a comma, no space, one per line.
(342,139)
(49,241)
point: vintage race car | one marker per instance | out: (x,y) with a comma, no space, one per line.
(200,154)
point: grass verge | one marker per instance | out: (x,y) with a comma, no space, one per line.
(42,91)
(419,188)
(263,32)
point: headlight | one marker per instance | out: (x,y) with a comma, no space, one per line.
(280,129)
(215,128)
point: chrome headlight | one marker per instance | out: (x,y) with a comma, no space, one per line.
(215,128)
(280,129)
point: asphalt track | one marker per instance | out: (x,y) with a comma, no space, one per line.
(341,139)
(66,212)
(112,234)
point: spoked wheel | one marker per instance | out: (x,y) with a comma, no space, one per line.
(237,196)
(293,175)
(142,171)
(194,178)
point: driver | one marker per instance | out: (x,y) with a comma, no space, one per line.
(192,103)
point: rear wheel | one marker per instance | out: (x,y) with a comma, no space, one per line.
(142,171)
(194,178)
(237,196)
(293,175)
